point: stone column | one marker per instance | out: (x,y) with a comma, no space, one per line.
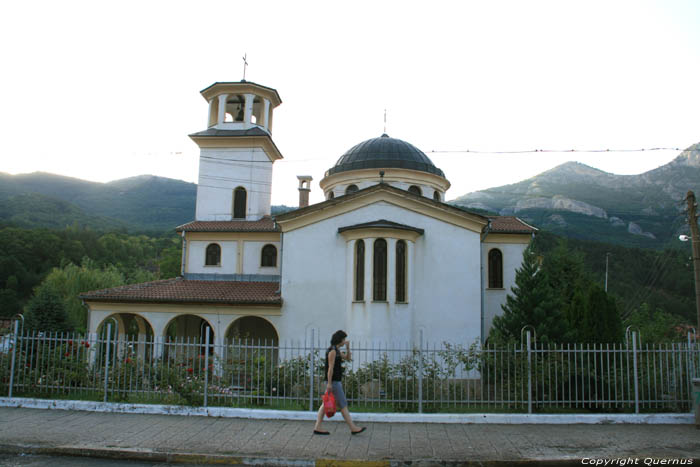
(248,112)
(369,268)
(266,114)
(391,270)
(222,109)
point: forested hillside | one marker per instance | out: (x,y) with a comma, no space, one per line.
(143,203)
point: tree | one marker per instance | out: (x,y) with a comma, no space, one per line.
(533,302)
(46,311)
(600,321)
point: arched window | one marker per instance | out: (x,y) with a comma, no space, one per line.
(359,270)
(331,195)
(436,195)
(401,271)
(379,292)
(239,203)
(351,189)
(269,256)
(415,190)
(213,255)
(495,269)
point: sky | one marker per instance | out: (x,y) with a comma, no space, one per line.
(103,90)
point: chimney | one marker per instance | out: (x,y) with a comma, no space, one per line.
(304,189)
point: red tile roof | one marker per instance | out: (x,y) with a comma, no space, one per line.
(266,224)
(509,224)
(180,290)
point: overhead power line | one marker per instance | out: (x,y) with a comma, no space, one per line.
(530,151)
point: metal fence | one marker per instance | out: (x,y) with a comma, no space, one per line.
(528,377)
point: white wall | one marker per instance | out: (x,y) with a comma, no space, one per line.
(221,171)
(196,251)
(494,298)
(444,293)
(252,256)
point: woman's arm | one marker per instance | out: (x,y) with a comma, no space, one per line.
(347,355)
(331,364)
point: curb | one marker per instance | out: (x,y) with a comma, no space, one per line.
(268,414)
(219,459)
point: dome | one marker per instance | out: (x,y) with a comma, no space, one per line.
(384,152)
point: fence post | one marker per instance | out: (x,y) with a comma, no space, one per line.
(313,370)
(14,342)
(420,374)
(206,363)
(636,379)
(529,373)
(109,332)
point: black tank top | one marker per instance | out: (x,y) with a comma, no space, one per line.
(337,366)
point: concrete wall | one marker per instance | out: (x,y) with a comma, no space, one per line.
(221,171)
(444,298)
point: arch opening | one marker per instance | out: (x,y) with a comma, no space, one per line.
(185,338)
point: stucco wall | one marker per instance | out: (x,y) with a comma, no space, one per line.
(494,298)
(252,256)
(221,171)
(444,298)
(196,251)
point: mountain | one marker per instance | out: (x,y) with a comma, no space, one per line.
(145,202)
(573,199)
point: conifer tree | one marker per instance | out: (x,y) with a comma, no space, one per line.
(534,302)
(46,311)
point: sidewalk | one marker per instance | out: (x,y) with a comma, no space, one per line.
(177,438)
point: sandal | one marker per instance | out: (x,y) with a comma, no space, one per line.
(359,431)
(316,432)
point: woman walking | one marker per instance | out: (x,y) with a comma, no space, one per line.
(334,377)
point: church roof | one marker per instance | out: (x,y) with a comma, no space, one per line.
(509,224)
(384,152)
(265,224)
(180,290)
(381,224)
(334,203)
(255,131)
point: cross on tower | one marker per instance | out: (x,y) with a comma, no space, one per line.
(245,64)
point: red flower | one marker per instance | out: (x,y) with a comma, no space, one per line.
(70,342)
(128,360)
(67,354)
(190,370)
(87,345)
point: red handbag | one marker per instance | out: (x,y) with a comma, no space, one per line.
(329,404)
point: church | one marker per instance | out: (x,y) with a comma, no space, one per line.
(384,257)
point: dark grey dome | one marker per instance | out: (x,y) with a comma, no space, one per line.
(384,152)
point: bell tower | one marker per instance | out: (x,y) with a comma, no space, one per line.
(236,152)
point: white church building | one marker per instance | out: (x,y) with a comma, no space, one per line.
(383,257)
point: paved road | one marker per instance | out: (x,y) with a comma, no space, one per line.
(31,460)
(171,438)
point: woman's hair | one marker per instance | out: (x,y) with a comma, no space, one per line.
(338,337)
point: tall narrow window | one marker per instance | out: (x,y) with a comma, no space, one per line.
(436,195)
(269,256)
(379,292)
(239,203)
(213,255)
(359,270)
(495,269)
(401,271)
